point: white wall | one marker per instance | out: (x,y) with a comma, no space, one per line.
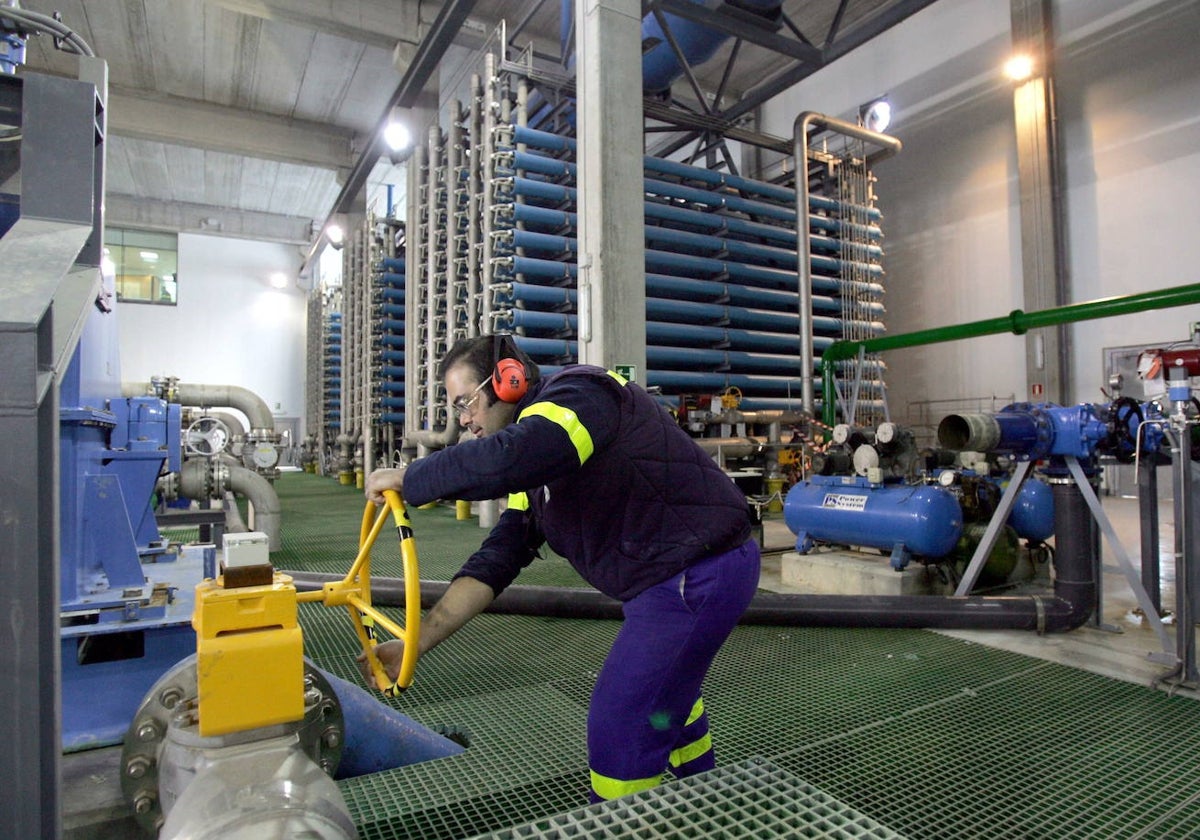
(1132,135)
(1127,77)
(231,327)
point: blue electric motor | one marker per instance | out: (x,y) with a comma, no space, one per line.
(905,519)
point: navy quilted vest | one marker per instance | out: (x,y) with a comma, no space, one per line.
(643,508)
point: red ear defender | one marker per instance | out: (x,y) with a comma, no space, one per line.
(509,380)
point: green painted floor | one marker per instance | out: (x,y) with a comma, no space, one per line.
(818,732)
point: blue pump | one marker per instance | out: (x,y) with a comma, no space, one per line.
(1033,431)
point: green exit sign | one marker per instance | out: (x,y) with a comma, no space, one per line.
(627,371)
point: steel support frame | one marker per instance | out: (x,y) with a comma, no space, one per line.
(744,26)
(51,286)
(1185,476)
(830,51)
(806,60)
(30,711)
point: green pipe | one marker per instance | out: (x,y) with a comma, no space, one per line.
(1016,322)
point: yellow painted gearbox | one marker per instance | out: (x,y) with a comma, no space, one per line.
(250,656)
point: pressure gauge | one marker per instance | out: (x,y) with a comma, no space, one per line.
(265,456)
(946,478)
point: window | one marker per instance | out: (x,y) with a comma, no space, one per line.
(146,265)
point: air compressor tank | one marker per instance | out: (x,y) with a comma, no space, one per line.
(1032,514)
(904,519)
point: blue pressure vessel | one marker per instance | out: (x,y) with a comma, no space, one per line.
(1032,514)
(925,520)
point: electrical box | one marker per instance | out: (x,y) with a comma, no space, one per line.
(251,548)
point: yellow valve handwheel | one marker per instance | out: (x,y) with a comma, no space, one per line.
(354,592)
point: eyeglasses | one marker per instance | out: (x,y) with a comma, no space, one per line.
(465,405)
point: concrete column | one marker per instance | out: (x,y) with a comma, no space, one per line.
(612,262)
(1043,247)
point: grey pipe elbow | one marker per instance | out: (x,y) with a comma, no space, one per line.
(244,400)
(259,492)
(215,396)
(429,439)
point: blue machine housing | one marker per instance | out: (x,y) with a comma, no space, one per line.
(905,519)
(125,599)
(1032,431)
(111,453)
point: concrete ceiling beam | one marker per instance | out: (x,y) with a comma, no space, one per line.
(182,217)
(146,115)
(380,23)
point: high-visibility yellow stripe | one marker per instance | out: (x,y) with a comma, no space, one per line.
(617,377)
(697,710)
(692,751)
(580,437)
(518,501)
(609,788)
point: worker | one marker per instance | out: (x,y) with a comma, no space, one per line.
(595,468)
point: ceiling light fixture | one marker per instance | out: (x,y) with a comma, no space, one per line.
(1019,68)
(397,136)
(279,280)
(875,115)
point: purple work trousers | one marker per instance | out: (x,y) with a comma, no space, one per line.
(646,711)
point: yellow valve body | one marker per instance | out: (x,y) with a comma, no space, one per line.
(249,656)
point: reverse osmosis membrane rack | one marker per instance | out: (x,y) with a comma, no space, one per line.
(747,281)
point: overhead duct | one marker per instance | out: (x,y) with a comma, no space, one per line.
(1069,607)
(696,42)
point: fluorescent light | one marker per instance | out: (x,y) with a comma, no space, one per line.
(149,256)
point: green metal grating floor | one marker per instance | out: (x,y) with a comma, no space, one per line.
(867,733)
